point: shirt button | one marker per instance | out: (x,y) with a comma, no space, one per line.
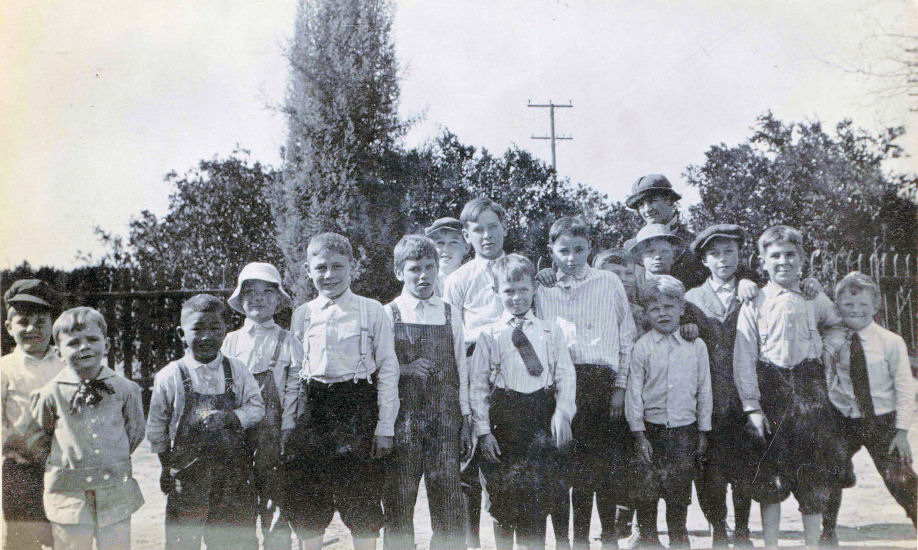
(106,476)
(89,479)
(96,451)
(92,420)
(94,436)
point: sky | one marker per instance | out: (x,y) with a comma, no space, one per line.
(100,100)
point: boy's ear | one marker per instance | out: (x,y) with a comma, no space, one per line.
(181,334)
(399,275)
(7,325)
(465,235)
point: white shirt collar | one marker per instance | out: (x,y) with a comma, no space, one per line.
(345,298)
(506,317)
(193,363)
(251,326)
(658,336)
(578,275)
(26,358)
(413,301)
(773,289)
(728,286)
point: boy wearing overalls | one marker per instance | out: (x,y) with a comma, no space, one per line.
(273,356)
(199,408)
(433,426)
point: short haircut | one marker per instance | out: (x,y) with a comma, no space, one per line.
(203,303)
(512,268)
(78,318)
(333,242)
(475,207)
(413,247)
(572,226)
(659,286)
(618,256)
(856,282)
(780,234)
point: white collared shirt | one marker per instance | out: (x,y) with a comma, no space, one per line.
(470,290)
(594,301)
(496,363)
(432,312)
(332,348)
(255,345)
(889,371)
(725,291)
(20,375)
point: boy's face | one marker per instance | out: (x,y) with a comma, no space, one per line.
(570,252)
(721,256)
(83,349)
(486,235)
(658,256)
(202,334)
(664,313)
(451,248)
(31,330)
(625,275)
(783,261)
(259,300)
(657,208)
(419,276)
(330,272)
(516,296)
(857,309)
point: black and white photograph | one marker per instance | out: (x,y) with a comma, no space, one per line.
(480,275)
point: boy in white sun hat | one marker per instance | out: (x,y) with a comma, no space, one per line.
(273,356)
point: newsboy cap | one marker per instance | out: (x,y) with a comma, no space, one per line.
(645,185)
(724,230)
(32,291)
(450,224)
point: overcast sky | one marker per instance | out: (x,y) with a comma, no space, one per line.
(101,99)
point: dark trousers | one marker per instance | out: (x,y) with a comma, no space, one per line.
(25,524)
(876,434)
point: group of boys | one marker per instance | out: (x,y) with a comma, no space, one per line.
(546,389)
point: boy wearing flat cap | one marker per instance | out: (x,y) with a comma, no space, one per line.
(274,357)
(446,233)
(31,305)
(718,248)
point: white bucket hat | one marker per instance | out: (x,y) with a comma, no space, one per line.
(259,271)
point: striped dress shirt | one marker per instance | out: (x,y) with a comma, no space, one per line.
(595,303)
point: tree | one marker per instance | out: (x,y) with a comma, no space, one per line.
(219,219)
(831,186)
(342,133)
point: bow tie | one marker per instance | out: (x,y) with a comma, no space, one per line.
(89,393)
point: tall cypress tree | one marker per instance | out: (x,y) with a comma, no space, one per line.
(343,132)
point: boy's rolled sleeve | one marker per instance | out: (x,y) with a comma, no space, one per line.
(480,384)
(902,383)
(388,372)
(745,358)
(705,394)
(292,382)
(251,407)
(160,414)
(133,416)
(627,334)
(634,395)
(565,377)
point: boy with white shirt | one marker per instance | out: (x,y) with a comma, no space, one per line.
(31,305)
(274,357)
(871,386)
(433,427)
(522,394)
(446,233)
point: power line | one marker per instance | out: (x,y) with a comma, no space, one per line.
(551,106)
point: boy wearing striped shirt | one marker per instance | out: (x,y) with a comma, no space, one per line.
(594,302)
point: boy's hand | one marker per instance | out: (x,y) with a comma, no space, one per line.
(618,403)
(560,430)
(746,290)
(811,288)
(901,447)
(546,277)
(166,482)
(285,437)
(420,368)
(465,439)
(642,447)
(215,421)
(757,425)
(701,450)
(490,450)
(382,446)
(689,331)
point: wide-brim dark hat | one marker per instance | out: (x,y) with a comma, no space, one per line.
(32,291)
(646,185)
(723,230)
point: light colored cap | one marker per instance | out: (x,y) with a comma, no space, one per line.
(259,271)
(653,231)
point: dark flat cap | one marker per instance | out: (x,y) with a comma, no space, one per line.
(32,291)
(451,224)
(725,230)
(645,185)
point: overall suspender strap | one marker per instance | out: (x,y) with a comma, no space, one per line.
(364,342)
(228,379)
(187,386)
(396,313)
(281,340)
(448,313)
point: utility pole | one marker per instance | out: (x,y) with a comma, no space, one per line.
(551,106)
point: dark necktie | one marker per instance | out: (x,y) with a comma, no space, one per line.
(859,378)
(89,393)
(524,346)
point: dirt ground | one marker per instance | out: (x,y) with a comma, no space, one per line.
(869,515)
